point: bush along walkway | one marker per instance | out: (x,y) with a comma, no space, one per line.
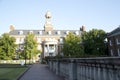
(40,72)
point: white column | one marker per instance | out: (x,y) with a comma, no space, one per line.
(48,50)
(54,50)
(44,51)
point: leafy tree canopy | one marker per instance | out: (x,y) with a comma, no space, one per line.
(71,46)
(7,47)
(30,46)
(94,42)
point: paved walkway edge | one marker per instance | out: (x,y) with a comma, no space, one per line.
(24,72)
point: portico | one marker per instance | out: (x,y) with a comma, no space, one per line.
(50,48)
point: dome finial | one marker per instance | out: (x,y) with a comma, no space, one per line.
(48,15)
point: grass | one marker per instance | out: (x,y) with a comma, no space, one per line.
(11,71)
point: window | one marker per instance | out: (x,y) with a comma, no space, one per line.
(77,33)
(51,47)
(31,32)
(61,39)
(58,32)
(20,32)
(119,52)
(21,40)
(40,32)
(17,40)
(67,32)
(49,32)
(110,43)
(118,41)
(21,47)
(111,51)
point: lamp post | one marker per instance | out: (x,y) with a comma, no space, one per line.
(106,46)
(25,53)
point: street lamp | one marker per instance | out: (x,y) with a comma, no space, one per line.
(25,53)
(106,46)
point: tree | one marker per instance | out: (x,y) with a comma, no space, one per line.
(30,46)
(71,46)
(94,42)
(7,47)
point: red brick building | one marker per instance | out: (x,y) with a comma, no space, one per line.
(114,42)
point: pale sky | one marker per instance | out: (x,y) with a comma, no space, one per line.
(66,14)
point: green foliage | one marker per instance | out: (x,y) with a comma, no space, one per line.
(30,46)
(94,42)
(72,46)
(7,47)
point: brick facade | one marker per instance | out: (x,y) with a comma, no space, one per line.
(114,42)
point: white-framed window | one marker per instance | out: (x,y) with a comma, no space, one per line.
(49,32)
(111,52)
(58,32)
(40,32)
(61,39)
(76,32)
(21,40)
(20,32)
(17,40)
(31,32)
(118,41)
(67,32)
(118,51)
(110,43)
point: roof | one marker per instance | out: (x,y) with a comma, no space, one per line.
(114,32)
(43,33)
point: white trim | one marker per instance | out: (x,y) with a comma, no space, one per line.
(31,32)
(49,32)
(77,33)
(118,51)
(111,52)
(110,43)
(118,41)
(20,32)
(58,32)
(67,32)
(40,32)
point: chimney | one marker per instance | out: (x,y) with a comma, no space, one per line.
(11,28)
(82,28)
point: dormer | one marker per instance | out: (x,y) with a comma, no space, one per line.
(20,32)
(31,32)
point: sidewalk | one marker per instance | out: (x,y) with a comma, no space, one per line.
(40,72)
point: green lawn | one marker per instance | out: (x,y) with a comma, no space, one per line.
(11,72)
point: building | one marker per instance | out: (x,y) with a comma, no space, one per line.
(49,40)
(114,42)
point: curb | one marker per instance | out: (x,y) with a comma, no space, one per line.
(24,72)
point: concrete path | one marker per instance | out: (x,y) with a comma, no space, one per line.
(40,72)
